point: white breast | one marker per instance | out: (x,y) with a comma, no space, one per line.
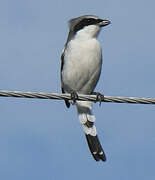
(82,62)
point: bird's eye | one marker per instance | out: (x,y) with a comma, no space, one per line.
(83,23)
(89,20)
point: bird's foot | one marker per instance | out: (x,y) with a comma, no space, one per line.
(74,96)
(99,97)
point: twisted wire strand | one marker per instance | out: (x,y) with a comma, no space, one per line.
(81,97)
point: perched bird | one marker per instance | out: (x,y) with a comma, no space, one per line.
(81,63)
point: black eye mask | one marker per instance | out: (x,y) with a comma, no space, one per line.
(86,22)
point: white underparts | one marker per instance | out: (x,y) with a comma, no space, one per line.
(82,63)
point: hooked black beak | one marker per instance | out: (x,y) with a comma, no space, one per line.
(104,23)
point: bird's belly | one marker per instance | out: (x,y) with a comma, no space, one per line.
(82,63)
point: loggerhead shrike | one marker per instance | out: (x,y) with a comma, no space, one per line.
(81,63)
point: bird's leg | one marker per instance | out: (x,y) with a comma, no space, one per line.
(74,96)
(99,97)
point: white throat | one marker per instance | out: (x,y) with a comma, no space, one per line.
(88,32)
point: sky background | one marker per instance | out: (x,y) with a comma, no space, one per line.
(42,139)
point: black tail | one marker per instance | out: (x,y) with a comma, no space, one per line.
(95,147)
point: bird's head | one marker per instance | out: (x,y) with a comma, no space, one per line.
(88,25)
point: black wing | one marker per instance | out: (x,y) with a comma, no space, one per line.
(62,65)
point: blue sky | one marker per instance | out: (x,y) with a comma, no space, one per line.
(41,139)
